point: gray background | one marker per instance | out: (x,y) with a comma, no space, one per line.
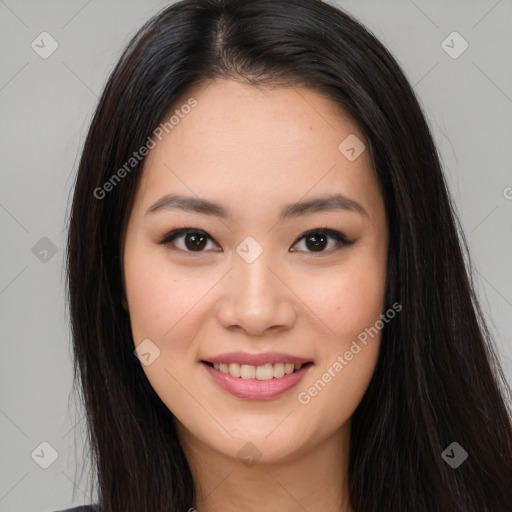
(46,106)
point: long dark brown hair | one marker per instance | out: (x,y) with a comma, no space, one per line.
(438,379)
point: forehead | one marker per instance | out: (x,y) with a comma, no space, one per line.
(264,144)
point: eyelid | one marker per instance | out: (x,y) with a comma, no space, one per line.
(340,237)
(175,233)
(333,233)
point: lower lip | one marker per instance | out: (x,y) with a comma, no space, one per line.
(253,389)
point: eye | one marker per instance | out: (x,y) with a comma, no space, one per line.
(315,240)
(193,240)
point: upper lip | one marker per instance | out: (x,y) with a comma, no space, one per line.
(256,359)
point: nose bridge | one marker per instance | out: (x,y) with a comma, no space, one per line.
(254,279)
(255,298)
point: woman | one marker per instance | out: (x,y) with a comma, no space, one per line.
(269,300)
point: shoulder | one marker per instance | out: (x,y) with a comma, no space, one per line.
(83,508)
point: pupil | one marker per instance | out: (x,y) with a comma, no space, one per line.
(194,237)
(316,244)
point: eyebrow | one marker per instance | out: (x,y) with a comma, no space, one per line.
(335,202)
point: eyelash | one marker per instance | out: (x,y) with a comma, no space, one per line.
(340,238)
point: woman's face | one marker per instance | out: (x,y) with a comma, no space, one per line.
(246,280)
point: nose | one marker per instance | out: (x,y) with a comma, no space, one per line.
(256,298)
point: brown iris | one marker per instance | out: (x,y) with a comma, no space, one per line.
(195,241)
(319,241)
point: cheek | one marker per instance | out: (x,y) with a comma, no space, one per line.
(349,298)
(360,299)
(159,296)
(350,304)
(161,303)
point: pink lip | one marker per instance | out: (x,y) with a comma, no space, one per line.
(253,389)
(256,359)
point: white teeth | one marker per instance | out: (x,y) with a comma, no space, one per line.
(234,370)
(263,372)
(288,368)
(278,370)
(247,371)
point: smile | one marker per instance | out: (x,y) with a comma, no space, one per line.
(262,372)
(251,382)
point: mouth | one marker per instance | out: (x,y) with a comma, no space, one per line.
(259,372)
(257,382)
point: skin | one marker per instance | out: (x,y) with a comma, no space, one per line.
(254,150)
